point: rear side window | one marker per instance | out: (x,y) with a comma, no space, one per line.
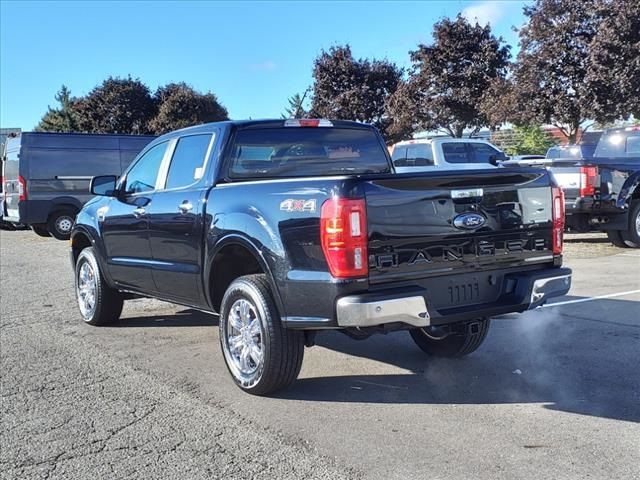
(295,152)
(416,155)
(633,145)
(482,152)
(188,160)
(455,152)
(143,175)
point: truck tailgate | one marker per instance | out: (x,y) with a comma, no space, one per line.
(458,222)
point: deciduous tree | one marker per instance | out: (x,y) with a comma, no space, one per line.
(180,106)
(613,78)
(354,89)
(530,140)
(118,105)
(449,78)
(553,63)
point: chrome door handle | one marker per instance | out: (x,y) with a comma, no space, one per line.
(185,207)
(139,212)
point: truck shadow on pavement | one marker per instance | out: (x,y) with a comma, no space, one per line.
(183,318)
(580,358)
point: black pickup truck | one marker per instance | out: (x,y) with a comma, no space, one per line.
(288,227)
(601,190)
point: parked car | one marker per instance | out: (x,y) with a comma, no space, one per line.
(46,175)
(445,154)
(601,191)
(289,227)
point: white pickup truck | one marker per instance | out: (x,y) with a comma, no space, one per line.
(445,154)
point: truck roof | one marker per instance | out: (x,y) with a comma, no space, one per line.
(264,123)
(426,141)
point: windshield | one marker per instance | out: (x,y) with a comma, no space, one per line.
(296,152)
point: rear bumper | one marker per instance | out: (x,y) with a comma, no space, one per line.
(29,212)
(520,293)
(418,306)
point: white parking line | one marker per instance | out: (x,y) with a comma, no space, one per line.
(580,300)
(629,255)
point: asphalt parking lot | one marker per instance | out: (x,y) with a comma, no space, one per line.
(554,393)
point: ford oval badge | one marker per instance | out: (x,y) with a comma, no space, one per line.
(469,221)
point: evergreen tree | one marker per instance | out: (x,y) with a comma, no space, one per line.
(61,119)
(296,106)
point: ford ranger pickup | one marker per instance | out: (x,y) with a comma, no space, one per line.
(289,227)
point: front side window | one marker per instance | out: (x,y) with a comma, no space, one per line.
(143,175)
(188,159)
(455,152)
(483,152)
(294,152)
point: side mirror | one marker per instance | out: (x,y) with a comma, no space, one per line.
(104,185)
(495,160)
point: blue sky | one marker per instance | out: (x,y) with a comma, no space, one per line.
(252,55)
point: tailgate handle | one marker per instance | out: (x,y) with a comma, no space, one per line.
(466,196)
(467,193)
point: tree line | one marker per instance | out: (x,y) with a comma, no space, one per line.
(126,105)
(578,60)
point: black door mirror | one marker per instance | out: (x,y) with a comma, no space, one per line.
(104,185)
(497,159)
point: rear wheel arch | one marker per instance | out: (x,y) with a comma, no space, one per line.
(235,257)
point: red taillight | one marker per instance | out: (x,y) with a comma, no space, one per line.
(343,234)
(22,189)
(557,196)
(588,177)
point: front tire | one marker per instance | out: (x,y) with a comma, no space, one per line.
(98,303)
(261,355)
(61,223)
(461,340)
(41,230)
(631,237)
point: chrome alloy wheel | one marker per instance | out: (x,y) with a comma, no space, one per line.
(638,223)
(86,288)
(244,341)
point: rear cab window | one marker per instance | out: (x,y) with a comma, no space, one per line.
(456,152)
(300,151)
(633,145)
(619,143)
(416,155)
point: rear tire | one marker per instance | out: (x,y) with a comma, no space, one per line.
(615,237)
(631,237)
(61,223)
(40,230)
(261,355)
(465,339)
(98,303)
